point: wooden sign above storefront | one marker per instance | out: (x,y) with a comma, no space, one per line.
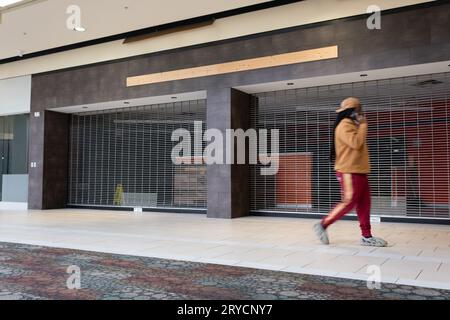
(236,66)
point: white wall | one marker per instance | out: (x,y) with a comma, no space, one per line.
(15,95)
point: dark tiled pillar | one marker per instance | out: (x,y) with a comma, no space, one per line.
(35,155)
(49,149)
(228,184)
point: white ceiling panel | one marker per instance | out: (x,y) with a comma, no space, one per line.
(41,24)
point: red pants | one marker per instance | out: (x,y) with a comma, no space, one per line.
(355,192)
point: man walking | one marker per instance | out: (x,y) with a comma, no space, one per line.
(351,162)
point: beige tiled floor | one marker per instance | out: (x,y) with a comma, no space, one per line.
(346,263)
(417,255)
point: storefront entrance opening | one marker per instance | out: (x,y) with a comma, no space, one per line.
(122,158)
(408,138)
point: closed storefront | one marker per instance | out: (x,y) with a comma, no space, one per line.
(15,96)
(100,130)
(122,158)
(14,157)
(408,139)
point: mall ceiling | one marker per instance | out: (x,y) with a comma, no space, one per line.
(28,27)
(35,25)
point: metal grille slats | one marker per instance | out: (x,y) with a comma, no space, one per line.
(408,141)
(122,157)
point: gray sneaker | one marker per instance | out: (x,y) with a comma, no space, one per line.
(373,242)
(321,233)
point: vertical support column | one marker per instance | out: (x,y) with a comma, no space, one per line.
(49,150)
(35,159)
(228,184)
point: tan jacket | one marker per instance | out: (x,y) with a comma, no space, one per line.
(352,155)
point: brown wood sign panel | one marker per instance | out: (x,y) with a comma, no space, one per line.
(236,66)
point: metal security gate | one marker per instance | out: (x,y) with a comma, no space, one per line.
(122,158)
(408,140)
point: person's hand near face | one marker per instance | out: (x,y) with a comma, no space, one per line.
(360,117)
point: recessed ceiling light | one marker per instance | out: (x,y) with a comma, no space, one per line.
(5,3)
(79,29)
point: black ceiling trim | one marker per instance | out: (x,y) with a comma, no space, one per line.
(157,33)
(159,28)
